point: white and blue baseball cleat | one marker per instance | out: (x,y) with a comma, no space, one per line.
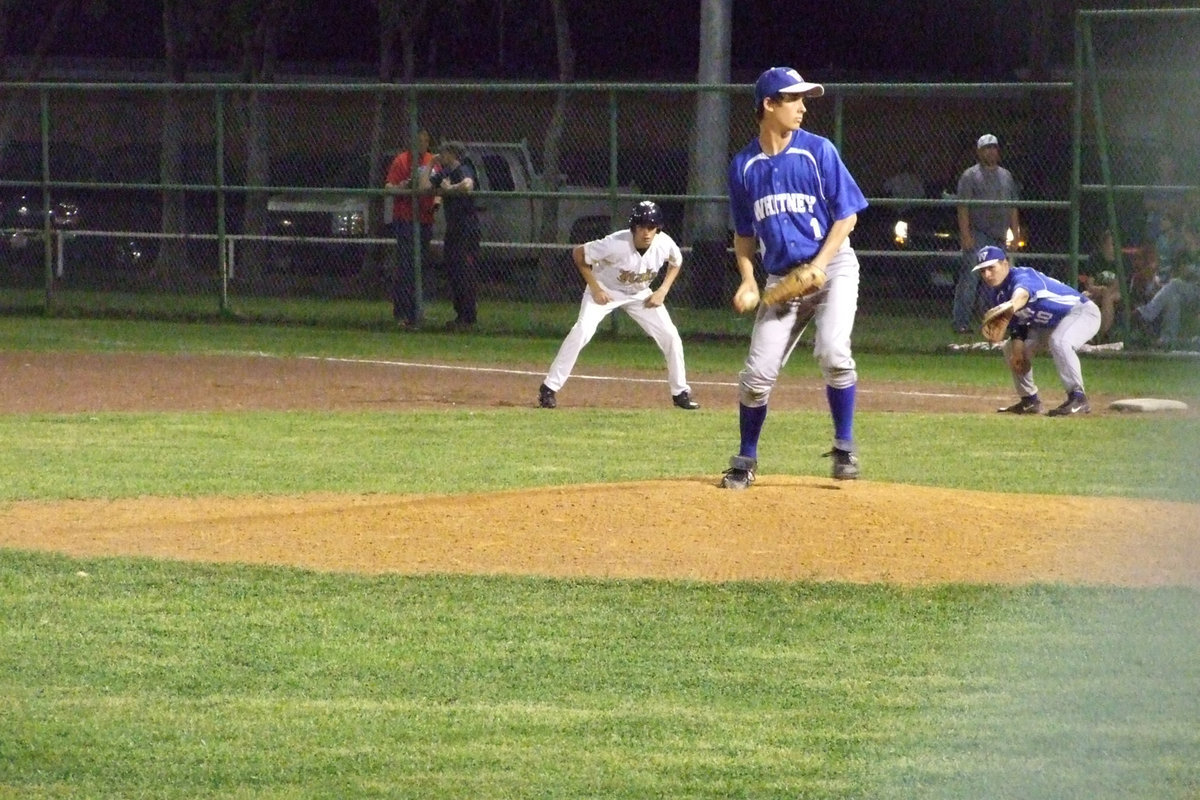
(1077,403)
(740,473)
(845,464)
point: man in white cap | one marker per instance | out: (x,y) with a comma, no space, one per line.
(980,226)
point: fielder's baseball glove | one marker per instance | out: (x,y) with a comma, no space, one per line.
(800,282)
(995,322)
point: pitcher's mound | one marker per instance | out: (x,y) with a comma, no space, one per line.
(785,528)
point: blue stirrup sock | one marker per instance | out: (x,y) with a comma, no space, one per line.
(750,423)
(841,407)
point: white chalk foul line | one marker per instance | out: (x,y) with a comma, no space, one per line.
(490,370)
(610,378)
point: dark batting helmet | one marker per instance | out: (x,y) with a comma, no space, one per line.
(647,214)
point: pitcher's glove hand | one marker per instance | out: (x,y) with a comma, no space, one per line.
(995,322)
(800,282)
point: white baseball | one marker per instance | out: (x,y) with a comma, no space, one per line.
(747,300)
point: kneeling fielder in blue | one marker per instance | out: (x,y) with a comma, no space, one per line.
(1046,313)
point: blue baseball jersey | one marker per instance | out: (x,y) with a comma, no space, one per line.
(1049,300)
(790,200)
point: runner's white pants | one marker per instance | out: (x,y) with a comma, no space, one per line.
(656,322)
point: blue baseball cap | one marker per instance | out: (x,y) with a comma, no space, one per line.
(778,80)
(986,256)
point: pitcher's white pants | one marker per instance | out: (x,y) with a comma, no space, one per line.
(656,322)
(777,328)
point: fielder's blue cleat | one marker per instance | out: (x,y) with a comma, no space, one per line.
(1077,403)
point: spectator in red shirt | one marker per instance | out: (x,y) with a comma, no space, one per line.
(402,177)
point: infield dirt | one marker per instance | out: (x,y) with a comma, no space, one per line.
(785,528)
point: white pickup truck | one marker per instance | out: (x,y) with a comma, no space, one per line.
(508,224)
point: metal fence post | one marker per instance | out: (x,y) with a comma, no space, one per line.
(613,183)
(47,228)
(224,256)
(1089,56)
(1076,156)
(414,169)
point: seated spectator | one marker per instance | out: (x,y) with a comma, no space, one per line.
(1179,291)
(1142,285)
(1152,269)
(1102,284)
(1171,245)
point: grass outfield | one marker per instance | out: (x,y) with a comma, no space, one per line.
(135,678)
(130,678)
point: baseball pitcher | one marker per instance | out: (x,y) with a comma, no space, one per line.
(794,203)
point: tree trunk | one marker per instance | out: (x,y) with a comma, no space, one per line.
(501,41)
(374,267)
(708,161)
(260,55)
(253,252)
(172,253)
(705,222)
(551,272)
(8,117)
(5,22)
(1039,41)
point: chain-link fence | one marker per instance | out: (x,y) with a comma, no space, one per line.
(205,196)
(1140,175)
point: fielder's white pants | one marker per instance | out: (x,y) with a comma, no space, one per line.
(656,322)
(776,329)
(1076,328)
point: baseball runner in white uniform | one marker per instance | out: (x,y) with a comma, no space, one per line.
(618,270)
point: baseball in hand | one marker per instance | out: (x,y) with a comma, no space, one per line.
(746,300)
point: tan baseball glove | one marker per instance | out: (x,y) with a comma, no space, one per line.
(995,322)
(800,282)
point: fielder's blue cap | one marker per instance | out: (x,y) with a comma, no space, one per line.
(778,80)
(986,256)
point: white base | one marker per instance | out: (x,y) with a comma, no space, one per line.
(1147,404)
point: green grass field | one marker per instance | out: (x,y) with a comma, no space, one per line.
(137,678)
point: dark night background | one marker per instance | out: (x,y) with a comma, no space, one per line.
(633,41)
